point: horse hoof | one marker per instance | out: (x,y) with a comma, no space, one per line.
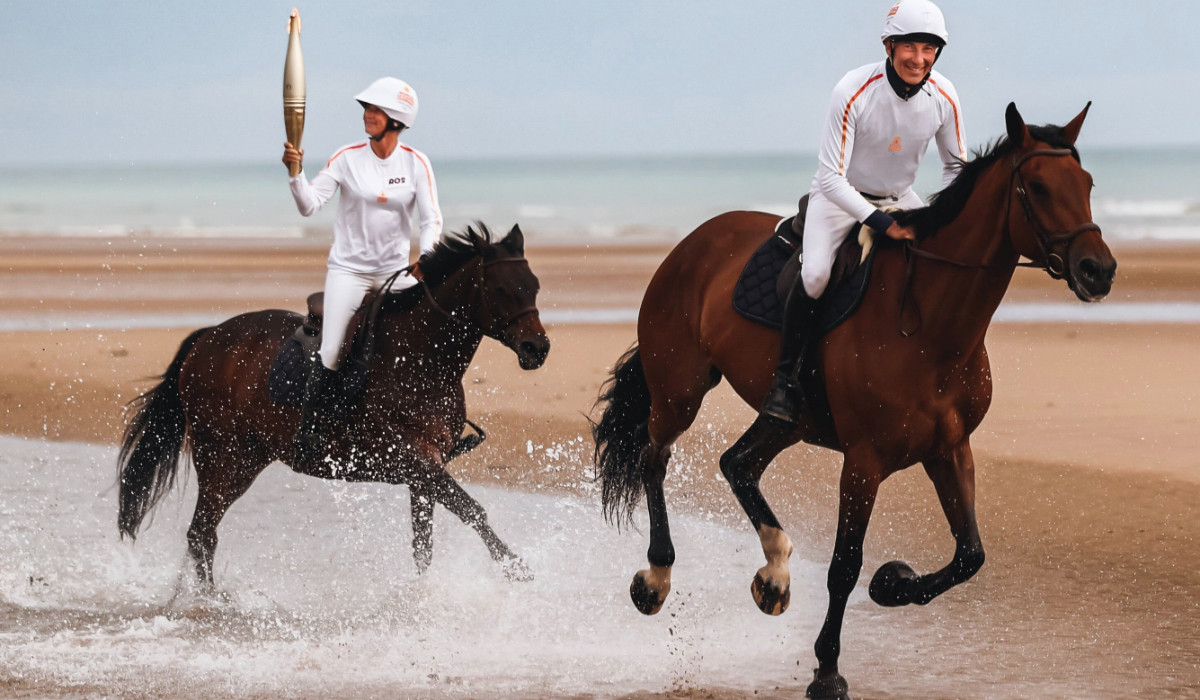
(516,570)
(829,688)
(647,600)
(892,584)
(769,597)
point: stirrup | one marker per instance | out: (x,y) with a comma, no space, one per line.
(784,401)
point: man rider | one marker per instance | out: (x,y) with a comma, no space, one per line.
(880,121)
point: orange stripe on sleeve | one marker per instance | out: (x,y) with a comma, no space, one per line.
(347,148)
(846,122)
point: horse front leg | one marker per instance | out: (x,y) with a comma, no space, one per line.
(446,490)
(859,486)
(421,505)
(743,466)
(953,475)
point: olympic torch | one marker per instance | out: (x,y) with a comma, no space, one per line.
(293,89)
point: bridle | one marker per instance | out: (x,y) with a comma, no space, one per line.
(504,322)
(512,317)
(1054,264)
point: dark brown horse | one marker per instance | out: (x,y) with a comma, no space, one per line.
(213,399)
(906,378)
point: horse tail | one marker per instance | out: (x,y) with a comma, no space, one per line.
(620,437)
(153,442)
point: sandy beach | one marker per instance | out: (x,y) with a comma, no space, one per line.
(1088,471)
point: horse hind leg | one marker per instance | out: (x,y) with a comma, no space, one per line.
(743,466)
(222,475)
(669,418)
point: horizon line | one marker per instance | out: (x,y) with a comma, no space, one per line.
(529,158)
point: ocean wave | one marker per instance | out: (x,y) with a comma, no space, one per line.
(123,231)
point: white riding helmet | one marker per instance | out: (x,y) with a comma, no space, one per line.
(915,17)
(395,97)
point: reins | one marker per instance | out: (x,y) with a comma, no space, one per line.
(1053,263)
(507,321)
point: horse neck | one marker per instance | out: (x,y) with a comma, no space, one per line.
(957,303)
(442,331)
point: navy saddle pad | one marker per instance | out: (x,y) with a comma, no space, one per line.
(759,290)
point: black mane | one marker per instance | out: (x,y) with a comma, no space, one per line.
(448,256)
(947,204)
(454,251)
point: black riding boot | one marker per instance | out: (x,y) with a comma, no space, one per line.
(786,397)
(320,399)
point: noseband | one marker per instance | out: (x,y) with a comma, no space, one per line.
(1054,264)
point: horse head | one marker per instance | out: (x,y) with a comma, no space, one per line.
(1051,198)
(507,309)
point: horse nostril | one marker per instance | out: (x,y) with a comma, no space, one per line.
(1089,268)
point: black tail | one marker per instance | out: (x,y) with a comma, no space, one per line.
(620,437)
(153,442)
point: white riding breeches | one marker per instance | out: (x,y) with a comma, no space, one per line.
(826,225)
(344,293)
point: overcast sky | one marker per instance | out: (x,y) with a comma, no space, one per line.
(141,82)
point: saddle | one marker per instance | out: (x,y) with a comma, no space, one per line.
(774,267)
(289,370)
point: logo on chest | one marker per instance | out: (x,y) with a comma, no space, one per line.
(895,144)
(391,181)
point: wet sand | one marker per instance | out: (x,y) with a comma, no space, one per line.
(1088,477)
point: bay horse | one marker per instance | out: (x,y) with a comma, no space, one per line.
(213,400)
(904,380)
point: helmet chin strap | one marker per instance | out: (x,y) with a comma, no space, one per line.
(392,125)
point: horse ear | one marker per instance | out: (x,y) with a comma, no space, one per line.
(1017,131)
(1071,131)
(515,240)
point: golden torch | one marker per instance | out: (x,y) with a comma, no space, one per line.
(293,89)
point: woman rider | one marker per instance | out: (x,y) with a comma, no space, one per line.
(880,121)
(382,184)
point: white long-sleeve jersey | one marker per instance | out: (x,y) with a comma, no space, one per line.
(373,226)
(874,139)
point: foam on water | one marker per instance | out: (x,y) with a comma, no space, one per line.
(320,595)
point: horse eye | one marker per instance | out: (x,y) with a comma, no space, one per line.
(1038,188)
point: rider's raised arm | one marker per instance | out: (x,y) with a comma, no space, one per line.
(311,196)
(951,135)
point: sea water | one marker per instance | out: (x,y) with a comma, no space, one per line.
(319,597)
(1145,194)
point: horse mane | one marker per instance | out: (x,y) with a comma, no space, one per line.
(448,256)
(453,251)
(946,205)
